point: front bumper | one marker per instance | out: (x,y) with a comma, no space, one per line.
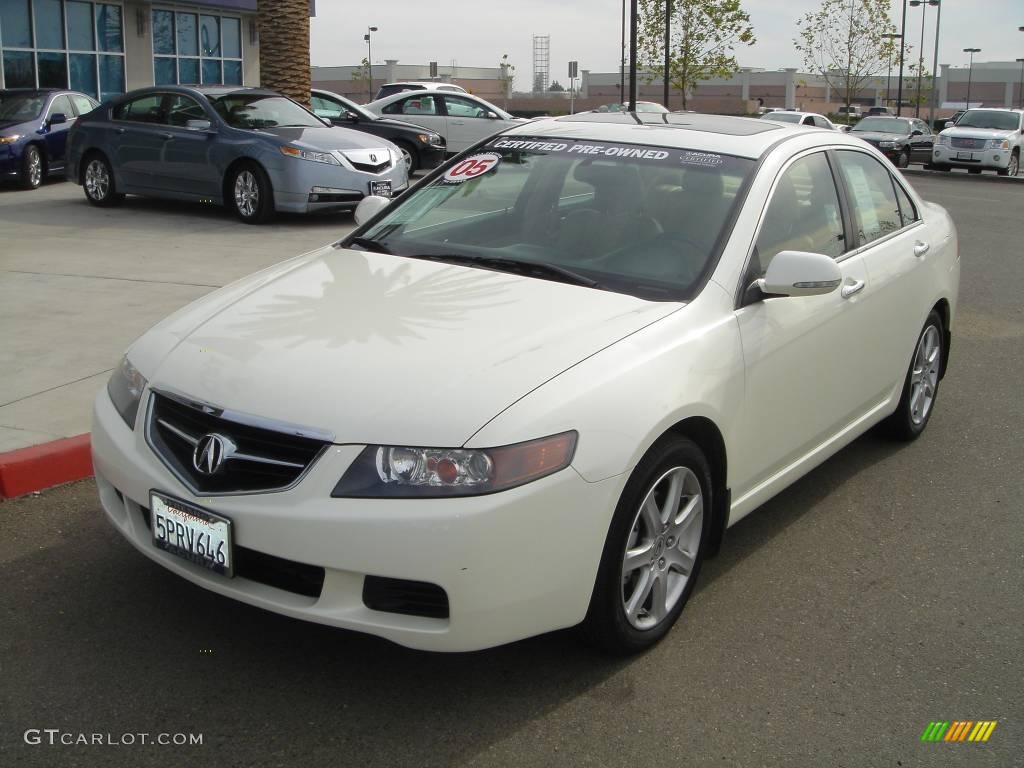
(431,156)
(513,564)
(997,159)
(10,164)
(293,182)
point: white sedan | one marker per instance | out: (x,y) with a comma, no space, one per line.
(461,118)
(534,391)
(806,119)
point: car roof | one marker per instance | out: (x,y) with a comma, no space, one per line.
(739,136)
(210,91)
(428,84)
(385,100)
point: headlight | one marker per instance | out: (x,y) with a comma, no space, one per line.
(998,144)
(429,138)
(887,144)
(383,471)
(9,139)
(125,389)
(945,141)
(316,157)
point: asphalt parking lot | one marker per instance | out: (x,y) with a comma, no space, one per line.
(881,592)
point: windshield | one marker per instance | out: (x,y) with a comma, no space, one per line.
(650,106)
(254,111)
(643,220)
(336,107)
(882,125)
(20,107)
(783,117)
(989,119)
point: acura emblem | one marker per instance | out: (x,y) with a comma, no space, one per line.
(210,453)
(373,158)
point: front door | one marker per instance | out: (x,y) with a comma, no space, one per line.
(186,166)
(138,140)
(56,134)
(468,122)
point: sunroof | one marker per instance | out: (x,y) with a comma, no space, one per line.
(691,121)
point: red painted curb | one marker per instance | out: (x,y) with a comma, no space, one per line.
(43,466)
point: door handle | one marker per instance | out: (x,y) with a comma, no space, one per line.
(166,136)
(458,122)
(852,288)
(920,249)
(119,131)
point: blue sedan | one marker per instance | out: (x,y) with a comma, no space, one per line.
(252,150)
(33,131)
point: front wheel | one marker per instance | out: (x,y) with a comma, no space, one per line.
(409,156)
(904,159)
(251,196)
(31,174)
(1013,168)
(921,385)
(654,548)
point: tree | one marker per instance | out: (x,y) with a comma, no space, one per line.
(361,77)
(284,47)
(704,36)
(506,76)
(844,42)
(556,87)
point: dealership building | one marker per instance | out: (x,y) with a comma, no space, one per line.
(106,48)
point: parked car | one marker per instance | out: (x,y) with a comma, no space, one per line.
(420,148)
(33,131)
(902,139)
(808,119)
(652,107)
(390,89)
(982,139)
(880,112)
(461,119)
(534,390)
(252,150)
(852,111)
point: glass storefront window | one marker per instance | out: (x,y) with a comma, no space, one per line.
(209,36)
(205,48)
(15,26)
(19,69)
(53,69)
(163,33)
(164,71)
(211,72)
(232,72)
(188,44)
(111,76)
(83,73)
(49,20)
(188,71)
(231,35)
(108,28)
(80,29)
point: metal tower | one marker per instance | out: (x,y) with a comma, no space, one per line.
(541,63)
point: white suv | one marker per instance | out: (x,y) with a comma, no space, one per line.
(980,139)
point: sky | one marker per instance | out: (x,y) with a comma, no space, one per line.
(477,32)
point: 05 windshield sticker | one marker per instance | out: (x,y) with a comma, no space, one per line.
(621,151)
(472,167)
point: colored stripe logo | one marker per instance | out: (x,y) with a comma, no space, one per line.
(959,730)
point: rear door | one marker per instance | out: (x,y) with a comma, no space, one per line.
(420,108)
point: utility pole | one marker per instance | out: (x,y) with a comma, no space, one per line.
(903,36)
(622,62)
(668,48)
(632,54)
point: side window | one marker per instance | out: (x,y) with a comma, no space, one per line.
(145,109)
(460,107)
(872,197)
(908,214)
(808,120)
(414,105)
(83,105)
(182,109)
(62,104)
(821,122)
(803,214)
(326,108)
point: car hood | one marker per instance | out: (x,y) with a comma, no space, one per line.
(878,136)
(400,124)
(977,133)
(328,138)
(9,126)
(384,349)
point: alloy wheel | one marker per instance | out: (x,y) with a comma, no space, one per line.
(924,378)
(662,548)
(35,168)
(247,193)
(407,157)
(97,180)
(1014,168)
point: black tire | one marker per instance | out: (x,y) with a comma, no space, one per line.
(98,181)
(249,193)
(412,157)
(606,624)
(908,422)
(33,168)
(904,159)
(1014,167)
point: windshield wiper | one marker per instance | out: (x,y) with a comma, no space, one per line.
(370,245)
(531,268)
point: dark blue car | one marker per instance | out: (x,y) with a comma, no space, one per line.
(33,131)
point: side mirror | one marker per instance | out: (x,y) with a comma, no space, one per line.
(917,132)
(950,123)
(198,125)
(799,273)
(492,115)
(57,118)
(369,207)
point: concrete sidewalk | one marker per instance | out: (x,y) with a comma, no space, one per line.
(79,283)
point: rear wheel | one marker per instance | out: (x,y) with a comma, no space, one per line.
(654,549)
(921,385)
(250,194)
(98,181)
(31,173)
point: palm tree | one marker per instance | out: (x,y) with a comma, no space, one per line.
(284,47)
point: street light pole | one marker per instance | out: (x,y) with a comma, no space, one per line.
(369,60)
(622,62)
(1021,84)
(888,65)
(668,47)
(970,74)
(920,61)
(935,70)
(632,54)
(903,34)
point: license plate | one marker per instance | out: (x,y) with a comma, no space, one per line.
(964,155)
(380,188)
(191,533)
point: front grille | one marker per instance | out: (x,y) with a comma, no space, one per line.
(371,167)
(291,576)
(962,143)
(411,598)
(255,458)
